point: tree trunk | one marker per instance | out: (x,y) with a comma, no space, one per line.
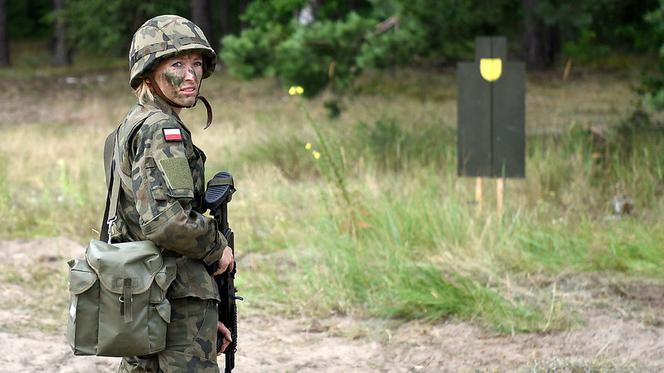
(241,8)
(61,50)
(201,14)
(4,36)
(541,42)
(226,27)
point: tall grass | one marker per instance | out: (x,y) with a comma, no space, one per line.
(408,241)
(419,249)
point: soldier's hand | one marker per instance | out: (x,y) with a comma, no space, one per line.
(226,262)
(221,328)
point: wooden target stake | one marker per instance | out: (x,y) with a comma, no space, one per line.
(478,193)
(500,194)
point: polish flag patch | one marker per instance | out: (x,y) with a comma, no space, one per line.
(172,134)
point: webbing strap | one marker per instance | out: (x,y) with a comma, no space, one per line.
(127,300)
(108,153)
(113,187)
(113,180)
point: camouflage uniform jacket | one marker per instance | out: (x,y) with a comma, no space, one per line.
(161,197)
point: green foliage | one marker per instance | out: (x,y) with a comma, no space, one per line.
(448,28)
(107,26)
(264,12)
(314,56)
(653,85)
(247,55)
(590,30)
(586,48)
(338,45)
(621,24)
(322,53)
(345,39)
(26,19)
(394,47)
(252,53)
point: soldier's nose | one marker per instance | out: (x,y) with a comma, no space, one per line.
(190,74)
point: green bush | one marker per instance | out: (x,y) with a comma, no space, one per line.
(653,84)
(322,53)
(249,54)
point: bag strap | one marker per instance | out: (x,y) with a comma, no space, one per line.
(113,184)
(108,153)
(113,181)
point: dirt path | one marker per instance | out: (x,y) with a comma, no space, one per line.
(621,328)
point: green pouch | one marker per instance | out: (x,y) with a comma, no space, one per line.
(118,304)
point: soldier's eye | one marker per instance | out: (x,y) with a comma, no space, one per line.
(198,63)
(177,64)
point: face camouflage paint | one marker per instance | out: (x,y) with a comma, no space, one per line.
(174,78)
(179,78)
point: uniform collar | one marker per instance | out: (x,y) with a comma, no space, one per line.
(160,104)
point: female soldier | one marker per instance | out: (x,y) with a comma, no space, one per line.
(162,189)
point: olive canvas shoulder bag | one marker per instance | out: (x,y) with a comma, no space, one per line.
(118,304)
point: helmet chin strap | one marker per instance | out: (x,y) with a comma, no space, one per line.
(208,108)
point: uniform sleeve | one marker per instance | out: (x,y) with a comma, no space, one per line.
(163,186)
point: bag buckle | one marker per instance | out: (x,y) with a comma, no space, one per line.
(121,299)
(110,222)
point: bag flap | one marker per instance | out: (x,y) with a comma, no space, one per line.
(139,261)
(81,276)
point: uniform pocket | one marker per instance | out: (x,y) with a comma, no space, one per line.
(154,180)
(204,341)
(160,316)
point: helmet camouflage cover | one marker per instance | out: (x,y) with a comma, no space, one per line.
(162,37)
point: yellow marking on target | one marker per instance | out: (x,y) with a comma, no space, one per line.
(491,68)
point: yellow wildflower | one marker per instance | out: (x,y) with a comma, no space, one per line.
(316,154)
(295,90)
(308,146)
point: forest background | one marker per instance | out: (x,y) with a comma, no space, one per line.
(348,202)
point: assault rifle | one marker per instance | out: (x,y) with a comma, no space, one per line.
(219,191)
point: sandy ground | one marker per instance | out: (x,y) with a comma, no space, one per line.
(621,328)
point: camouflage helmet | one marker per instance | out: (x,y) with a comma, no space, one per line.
(162,37)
